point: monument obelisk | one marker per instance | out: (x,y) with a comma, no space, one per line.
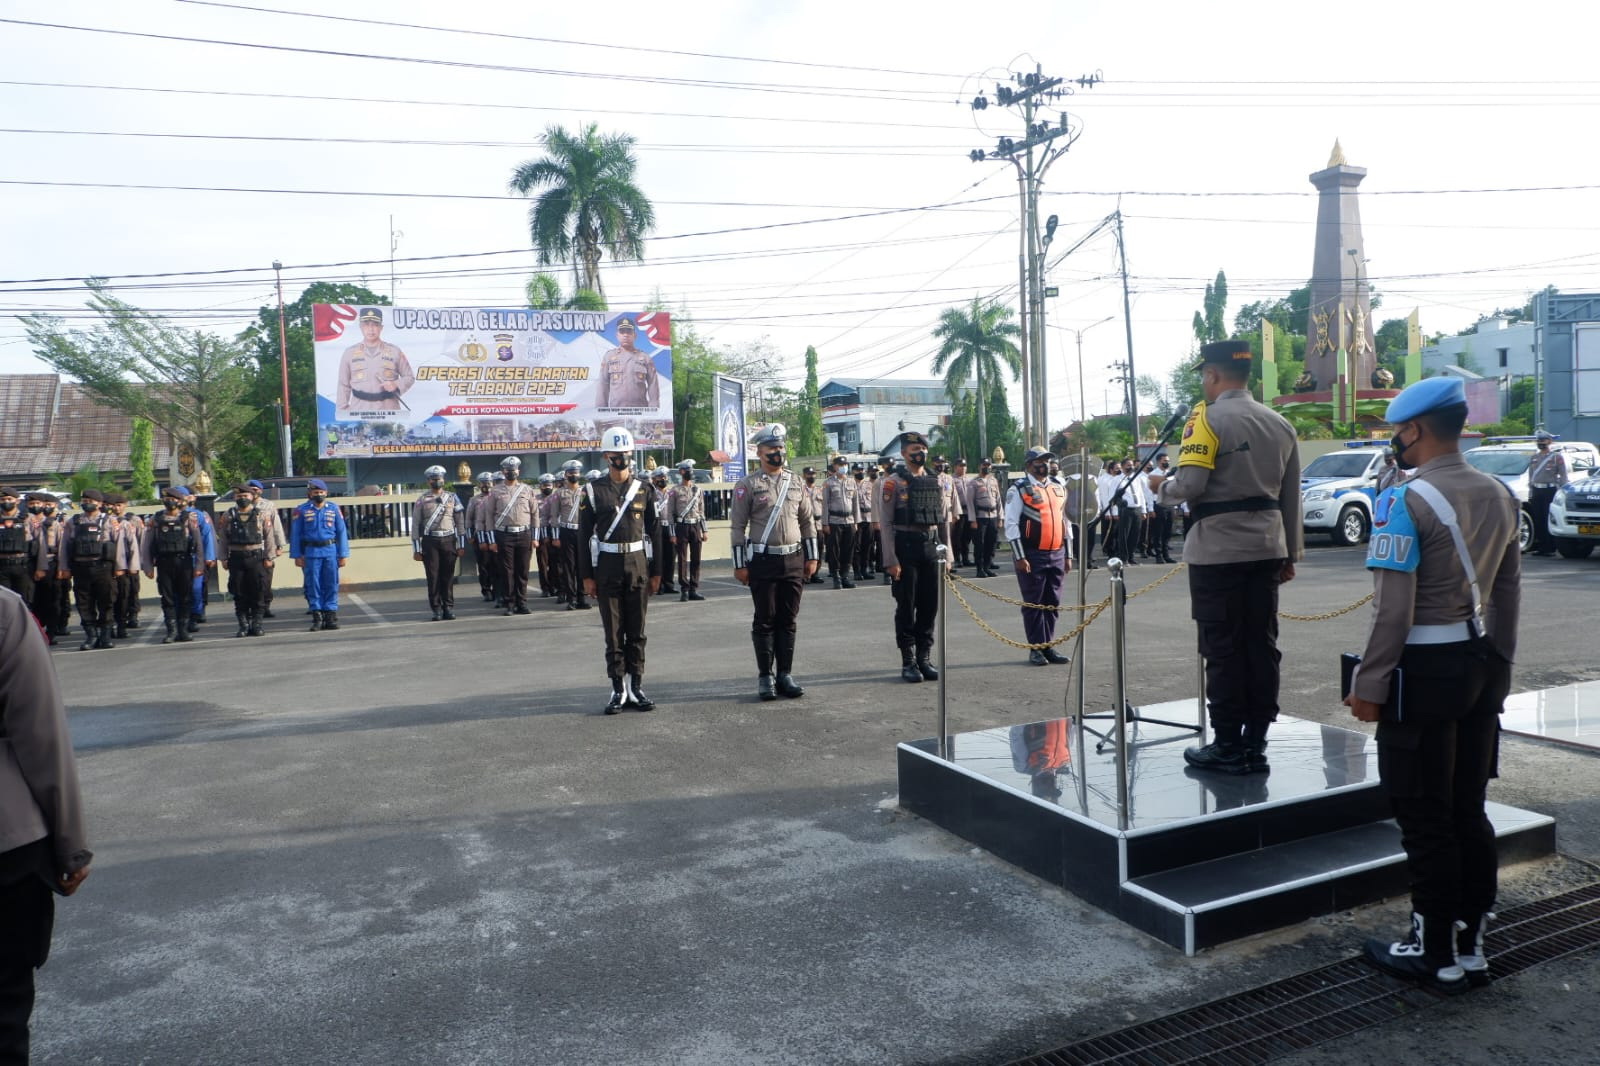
(1341,305)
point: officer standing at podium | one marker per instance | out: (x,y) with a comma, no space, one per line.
(1240,474)
(1446,571)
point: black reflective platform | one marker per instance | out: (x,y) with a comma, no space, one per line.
(1206,857)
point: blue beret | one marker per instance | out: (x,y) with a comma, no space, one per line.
(182,490)
(317,483)
(1429,394)
(253,483)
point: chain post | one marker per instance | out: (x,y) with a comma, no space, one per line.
(943,554)
(1119,668)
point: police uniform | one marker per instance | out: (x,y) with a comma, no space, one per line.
(512,529)
(955,511)
(486,562)
(242,545)
(914,519)
(813,492)
(984,519)
(840,514)
(1037,527)
(569,501)
(1390,475)
(662,545)
(439,536)
(1446,571)
(961,533)
(548,551)
(172,552)
(365,368)
(276,543)
(198,594)
(620,519)
(88,559)
(125,595)
(1160,520)
(1239,471)
(18,546)
(864,536)
(628,376)
(50,592)
(1547,472)
(773,535)
(686,522)
(320,542)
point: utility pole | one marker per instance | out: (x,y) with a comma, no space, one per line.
(394,246)
(283,365)
(1127,320)
(1032,157)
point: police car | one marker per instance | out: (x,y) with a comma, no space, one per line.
(1337,490)
(1575,517)
(1507,459)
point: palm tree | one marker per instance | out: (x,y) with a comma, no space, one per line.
(589,205)
(976,342)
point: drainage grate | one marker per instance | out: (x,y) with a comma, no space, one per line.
(1300,1012)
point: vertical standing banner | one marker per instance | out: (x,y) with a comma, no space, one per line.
(1269,363)
(730,430)
(464,380)
(1414,347)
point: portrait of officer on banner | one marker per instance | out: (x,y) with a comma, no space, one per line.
(373,375)
(628,377)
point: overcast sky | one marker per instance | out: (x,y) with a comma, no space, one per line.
(1209,120)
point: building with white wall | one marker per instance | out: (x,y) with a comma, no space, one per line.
(865,415)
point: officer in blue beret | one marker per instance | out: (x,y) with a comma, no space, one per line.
(319,543)
(1437,666)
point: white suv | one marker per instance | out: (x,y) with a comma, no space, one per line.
(1337,490)
(1507,459)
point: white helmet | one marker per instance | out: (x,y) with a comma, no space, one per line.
(433,472)
(511,462)
(616,439)
(687,464)
(547,479)
(572,466)
(485,478)
(594,475)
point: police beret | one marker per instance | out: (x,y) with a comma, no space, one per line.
(7,490)
(42,497)
(773,434)
(175,491)
(809,470)
(860,468)
(317,483)
(913,437)
(240,491)
(115,497)
(1226,353)
(960,460)
(253,483)
(94,494)
(1037,453)
(1429,394)
(371,314)
(940,459)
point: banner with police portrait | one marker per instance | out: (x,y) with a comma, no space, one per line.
(467,380)
(730,428)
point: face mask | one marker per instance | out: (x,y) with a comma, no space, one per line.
(916,458)
(435,483)
(1400,452)
(318,498)
(1039,471)
(618,462)
(544,490)
(90,505)
(573,477)
(171,504)
(774,458)
(36,510)
(8,505)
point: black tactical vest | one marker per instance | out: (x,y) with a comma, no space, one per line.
(90,541)
(244,533)
(13,538)
(920,503)
(172,536)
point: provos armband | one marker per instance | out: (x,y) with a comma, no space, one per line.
(1393,544)
(1199,444)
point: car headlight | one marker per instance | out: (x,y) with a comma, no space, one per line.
(1317,494)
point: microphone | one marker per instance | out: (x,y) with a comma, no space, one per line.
(1178,418)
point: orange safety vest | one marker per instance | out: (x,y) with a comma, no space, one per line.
(1043,516)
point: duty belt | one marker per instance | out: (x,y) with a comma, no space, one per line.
(13,557)
(446,533)
(372,397)
(514,529)
(622,549)
(774,549)
(1198,511)
(569,525)
(315,543)
(1449,633)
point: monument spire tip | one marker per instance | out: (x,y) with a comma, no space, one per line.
(1337,158)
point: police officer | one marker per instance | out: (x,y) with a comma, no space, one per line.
(1240,474)
(1547,472)
(840,514)
(276,543)
(983,521)
(487,567)
(914,517)
(88,560)
(662,546)
(513,531)
(864,536)
(199,595)
(617,517)
(774,539)
(18,547)
(438,539)
(1390,474)
(50,593)
(628,376)
(1041,549)
(686,522)
(955,512)
(173,554)
(125,538)
(373,374)
(569,500)
(242,546)
(961,532)
(814,491)
(1161,513)
(548,550)
(1434,676)
(319,543)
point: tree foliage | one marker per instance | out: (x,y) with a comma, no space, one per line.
(695,364)
(192,384)
(976,342)
(809,438)
(589,204)
(142,460)
(544,294)
(1211,323)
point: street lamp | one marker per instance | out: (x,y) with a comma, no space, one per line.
(1083,411)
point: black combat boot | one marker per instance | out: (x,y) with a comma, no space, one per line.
(1225,754)
(90,639)
(1255,746)
(783,656)
(103,637)
(617,697)
(763,645)
(694,593)
(908,665)
(330,619)
(636,691)
(683,594)
(243,618)
(121,630)
(1427,955)
(166,620)
(316,621)
(834,574)
(1470,955)
(182,626)
(254,630)
(844,579)
(924,666)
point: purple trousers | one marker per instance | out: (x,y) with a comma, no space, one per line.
(1041,585)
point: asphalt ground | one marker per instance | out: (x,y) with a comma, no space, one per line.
(419,842)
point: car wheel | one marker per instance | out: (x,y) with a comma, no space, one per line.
(1524,531)
(1351,528)
(1571,548)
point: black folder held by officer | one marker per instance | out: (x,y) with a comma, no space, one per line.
(1446,571)
(1239,472)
